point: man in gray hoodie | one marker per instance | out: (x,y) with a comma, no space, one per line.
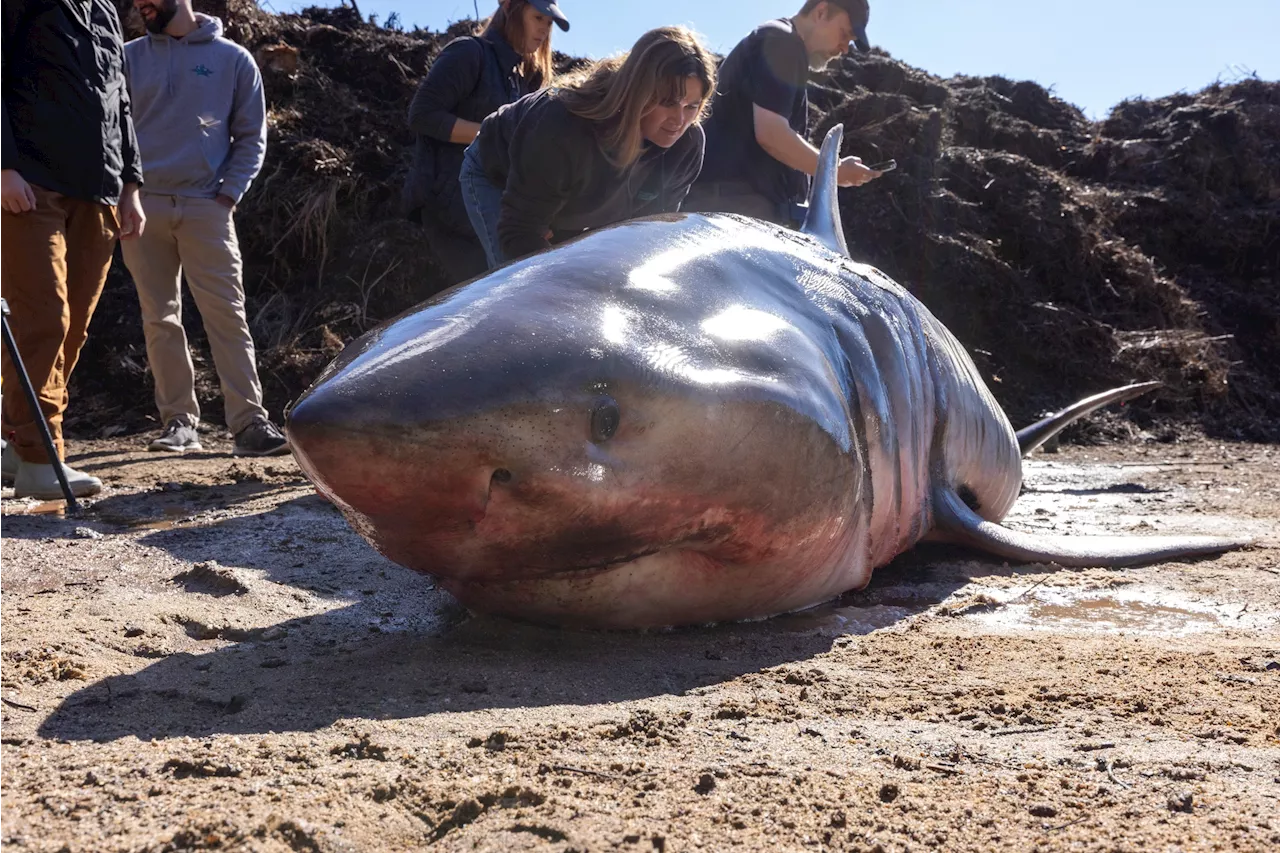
(201,123)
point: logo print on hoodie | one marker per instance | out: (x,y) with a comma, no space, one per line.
(203,71)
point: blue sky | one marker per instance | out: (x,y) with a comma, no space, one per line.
(1092,53)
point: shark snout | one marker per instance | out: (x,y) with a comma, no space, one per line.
(425,476)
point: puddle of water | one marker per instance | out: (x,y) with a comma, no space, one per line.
(1126,610)
(1125,615)
(1129,610)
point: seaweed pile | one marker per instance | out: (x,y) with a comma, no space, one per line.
(1068,255)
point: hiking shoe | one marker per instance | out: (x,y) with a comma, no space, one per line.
(178,437)
(41,482)
(261,438)
(9,462)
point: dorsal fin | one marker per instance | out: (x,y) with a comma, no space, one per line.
(822,222)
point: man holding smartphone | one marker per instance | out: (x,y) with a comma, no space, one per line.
(758,161)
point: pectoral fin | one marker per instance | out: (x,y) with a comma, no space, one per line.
(955,522)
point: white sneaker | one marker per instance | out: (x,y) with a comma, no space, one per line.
(8,463)
(41,482)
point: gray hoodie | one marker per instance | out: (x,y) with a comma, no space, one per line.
(198,110)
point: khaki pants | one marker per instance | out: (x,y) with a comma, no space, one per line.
(195,236)
(54,263)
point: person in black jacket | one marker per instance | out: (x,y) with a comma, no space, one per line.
(70,176)
(619,141)
(471,78)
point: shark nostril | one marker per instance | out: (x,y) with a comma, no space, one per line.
(502,475)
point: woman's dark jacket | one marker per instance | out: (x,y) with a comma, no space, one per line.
(556,176)
(471,78)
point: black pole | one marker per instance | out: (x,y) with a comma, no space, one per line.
(36,411)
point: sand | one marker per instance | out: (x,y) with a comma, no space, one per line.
(210,659)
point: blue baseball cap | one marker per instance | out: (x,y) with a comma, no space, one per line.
(552,11)
(859,12)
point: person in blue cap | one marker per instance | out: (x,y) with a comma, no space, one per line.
(758,161)
(471,78)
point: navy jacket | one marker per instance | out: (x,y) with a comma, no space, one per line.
(471,78)
(66,116)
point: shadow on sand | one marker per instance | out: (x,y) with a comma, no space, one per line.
(171,508)
(409,650)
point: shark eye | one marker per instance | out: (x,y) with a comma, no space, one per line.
(604,419)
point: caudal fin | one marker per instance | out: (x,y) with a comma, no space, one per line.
(1029,438)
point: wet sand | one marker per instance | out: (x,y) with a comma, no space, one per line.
(210,658)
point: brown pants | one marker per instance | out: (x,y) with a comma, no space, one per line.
(55,262)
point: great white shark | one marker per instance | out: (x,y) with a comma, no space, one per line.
(679,419)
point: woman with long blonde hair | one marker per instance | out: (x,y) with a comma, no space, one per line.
(473,76)
(618,140)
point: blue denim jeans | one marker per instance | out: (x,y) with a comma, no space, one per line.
(484,202)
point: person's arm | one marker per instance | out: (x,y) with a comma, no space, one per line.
(546,172)
(685,170)
(783,144)
(130,158)
(16,195)
(129,209)
(248,129)
(453,76)
(780,142)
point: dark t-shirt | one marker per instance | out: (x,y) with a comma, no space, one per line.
(770,67)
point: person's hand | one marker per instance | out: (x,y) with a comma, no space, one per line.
(226,201)
(18,195)
(852,173)
(132,219)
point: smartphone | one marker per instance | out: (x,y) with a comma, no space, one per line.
(886,166)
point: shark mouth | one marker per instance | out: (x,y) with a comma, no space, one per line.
(604,565)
